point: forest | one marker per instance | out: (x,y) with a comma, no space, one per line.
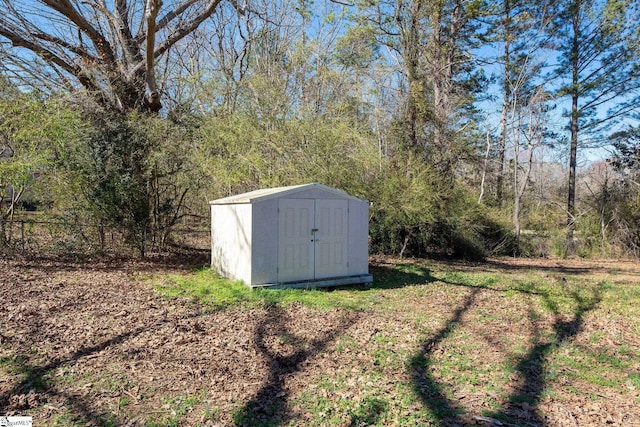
(474,127)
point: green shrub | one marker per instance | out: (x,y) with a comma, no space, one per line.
(418,213)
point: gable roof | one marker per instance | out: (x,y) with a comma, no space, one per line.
(270,193)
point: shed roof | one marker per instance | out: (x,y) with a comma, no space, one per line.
(269,193)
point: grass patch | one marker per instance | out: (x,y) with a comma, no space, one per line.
(634,380)
(177,408)
(471,280)
(23,374)
(594,366)
(366,400)
(207,288)
(370,411)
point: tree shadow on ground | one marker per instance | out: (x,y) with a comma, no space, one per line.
(154,262)
(26,393)
(286,353)
(521,407)
(551,266)
(36,386)
(393,276)
(431,391)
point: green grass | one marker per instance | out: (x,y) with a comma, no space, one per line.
(207,288)
(633,380)
(177,407)
(23,374)
(338,400)
(598,367)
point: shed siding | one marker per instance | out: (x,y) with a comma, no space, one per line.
(231,241)
(358,237)
(265,242)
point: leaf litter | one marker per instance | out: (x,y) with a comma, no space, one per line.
(95,344)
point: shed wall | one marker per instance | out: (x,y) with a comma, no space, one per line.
(231,241)
(358,237)
(264,263)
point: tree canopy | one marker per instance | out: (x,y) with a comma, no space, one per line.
(466,122)
(110,48)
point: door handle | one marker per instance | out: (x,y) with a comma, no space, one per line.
(314,230)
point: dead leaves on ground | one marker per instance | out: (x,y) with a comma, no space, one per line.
(95,345)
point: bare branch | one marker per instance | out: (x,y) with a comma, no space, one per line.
(19,41)
(80,51)
(103,47)
(166,19)
(181,32)
(130,47)
(152,10)
(94,41)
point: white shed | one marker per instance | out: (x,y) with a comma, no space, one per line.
(300,236)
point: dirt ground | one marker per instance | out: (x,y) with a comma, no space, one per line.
(95,344)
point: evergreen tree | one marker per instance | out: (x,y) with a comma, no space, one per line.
(597,44)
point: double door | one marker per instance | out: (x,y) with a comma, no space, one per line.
(313,238)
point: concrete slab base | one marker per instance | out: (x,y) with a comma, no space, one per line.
(319,283)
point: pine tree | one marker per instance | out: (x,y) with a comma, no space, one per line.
(597,44)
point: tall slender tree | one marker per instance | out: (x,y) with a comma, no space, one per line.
(520,27)
(597,44)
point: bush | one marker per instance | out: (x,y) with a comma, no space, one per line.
(136,175)
(418,213)
(240,153)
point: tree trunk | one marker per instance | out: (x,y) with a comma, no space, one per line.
(152,100)
(516,189)
(485,165)
(412,62)
(506,95)
(575,114)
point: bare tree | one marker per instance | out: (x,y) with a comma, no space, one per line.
(520,27)
(433,43)
(533,133)
(108,47)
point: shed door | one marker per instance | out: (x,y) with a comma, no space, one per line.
(331,238)
(295,244)
(312,239)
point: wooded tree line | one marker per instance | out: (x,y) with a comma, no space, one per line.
(465,122)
